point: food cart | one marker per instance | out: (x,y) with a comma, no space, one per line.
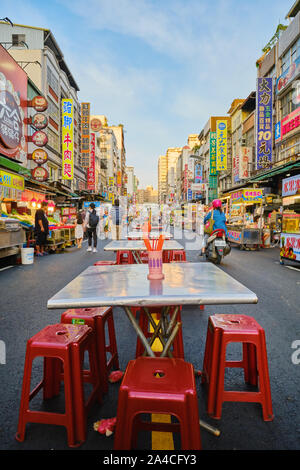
(244,206)
(290,231)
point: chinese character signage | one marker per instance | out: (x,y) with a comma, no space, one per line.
(290,246)
(221,145)
(290,186)
(264,108)
(85,135)
(213,153)
(288,76)
(247,195)
(91,180)
(198,173)
(243,162)
(67,139)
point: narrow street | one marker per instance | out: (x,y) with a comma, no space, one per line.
(24,294)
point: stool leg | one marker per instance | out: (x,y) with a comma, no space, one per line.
(112,341)
(24,403)
(220,380)
(264,380)
(250,361)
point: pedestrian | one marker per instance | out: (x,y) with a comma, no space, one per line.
(90,224)
(218,216)
(41,229)
(116,217)
(79,230)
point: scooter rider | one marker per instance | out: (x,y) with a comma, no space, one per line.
(218,217)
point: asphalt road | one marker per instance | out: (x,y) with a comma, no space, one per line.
(25,289)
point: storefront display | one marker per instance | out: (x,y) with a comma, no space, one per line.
(245,218)
(290,233)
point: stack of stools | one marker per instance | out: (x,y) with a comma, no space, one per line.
(225,329)
(177,255)
(59,344)
(177,348)
(158,386)
(97,318)
(105,263)
(124,257)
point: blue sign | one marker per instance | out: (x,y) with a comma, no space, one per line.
(264,122)
(278,131)
(87,204)
(190,194)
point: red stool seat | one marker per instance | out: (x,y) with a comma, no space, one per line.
(56,343)
(177,255)
(124,257)
(177,348)
(107,352)
(225,329)
(104,263)
(163,386)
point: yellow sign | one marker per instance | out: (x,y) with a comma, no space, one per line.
(11,181)
(221,145)
(111,181)
(67,139)
(247,195)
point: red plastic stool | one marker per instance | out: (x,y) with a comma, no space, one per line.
(97,318)
(104,263)
(178,255)
(166,256)
(177,349)
(57,343)
(124,257)
(225,329)
(144,256)
(163,386)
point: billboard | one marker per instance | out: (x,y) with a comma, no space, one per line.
(264,126)
(212,153)
(221,145)
(67,139)
(91,177)
(85,135)
(13,108)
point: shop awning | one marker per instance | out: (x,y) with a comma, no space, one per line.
(14,166)
(276,171)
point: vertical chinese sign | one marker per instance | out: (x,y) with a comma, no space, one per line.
(91,181)
(67,139)
(244,159)
(264,126)
(85,135)
(221,145)
(213,153)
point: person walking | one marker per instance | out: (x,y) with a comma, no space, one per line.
(41,229)
(79,230)
(90,223)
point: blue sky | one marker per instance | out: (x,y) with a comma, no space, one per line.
(160,67)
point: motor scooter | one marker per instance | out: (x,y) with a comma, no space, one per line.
(217,247)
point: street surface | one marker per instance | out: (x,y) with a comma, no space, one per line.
(24,294)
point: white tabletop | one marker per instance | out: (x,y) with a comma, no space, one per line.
(127,285)
(139,245)
(139,235)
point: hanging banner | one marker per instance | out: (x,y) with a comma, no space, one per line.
(213,153)
(91,177)
(244,159)
(221,145)
(264,125)
(67,139)
(198,173)
(85,135)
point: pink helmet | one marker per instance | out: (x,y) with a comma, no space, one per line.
(217,203)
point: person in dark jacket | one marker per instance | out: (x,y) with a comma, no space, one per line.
(116,219)
(90,224)
(41,229)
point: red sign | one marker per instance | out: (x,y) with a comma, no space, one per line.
(39,173)
(39,103)
(39,138)
(39,156)
(13,108)
(95,124)
(91,180)
(39,121)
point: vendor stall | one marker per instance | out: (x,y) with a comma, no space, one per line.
(245,218)
(290,232)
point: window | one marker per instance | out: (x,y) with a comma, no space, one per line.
(53,111)
(52,81)
(53,140)
(18,39)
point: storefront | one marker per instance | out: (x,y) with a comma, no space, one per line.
(290,233)
(245,217)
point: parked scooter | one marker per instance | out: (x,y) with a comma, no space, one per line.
(217,247)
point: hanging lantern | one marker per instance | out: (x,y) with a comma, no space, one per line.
(33,202)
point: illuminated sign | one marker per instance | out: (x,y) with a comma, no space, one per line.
(221,145)
(67,139)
